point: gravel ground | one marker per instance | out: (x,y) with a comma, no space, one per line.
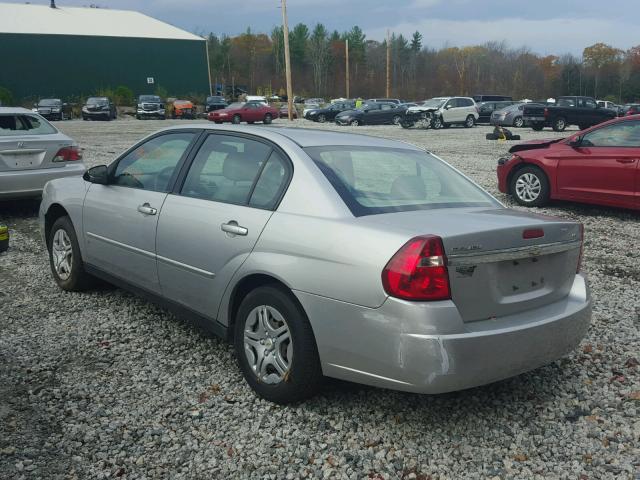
(103,384)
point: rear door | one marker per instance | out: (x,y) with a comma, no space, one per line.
(210,224)
(29,142)
(120,219)
(604,168)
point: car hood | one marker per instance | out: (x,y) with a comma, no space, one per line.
(534,144)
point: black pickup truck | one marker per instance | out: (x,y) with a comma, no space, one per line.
(581,111)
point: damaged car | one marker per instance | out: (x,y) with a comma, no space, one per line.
(442,112)
(151,106)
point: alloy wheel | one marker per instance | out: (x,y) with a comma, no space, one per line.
(268,345)
(62,254)
(518,122)
(528,187)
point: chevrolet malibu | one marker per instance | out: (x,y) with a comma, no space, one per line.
(32,152)
(325,254)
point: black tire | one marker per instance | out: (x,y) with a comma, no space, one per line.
(236,119)
(559,124)
(322,118)
(543,195)
(267,119)
(537,128)
(304,376)
(78,280)
(470,121)
(354,123)
(437,123)
(518,122)
(396,119)
(137,117)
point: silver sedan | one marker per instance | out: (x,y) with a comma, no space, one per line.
(510,116)
(32,152)
(325,254)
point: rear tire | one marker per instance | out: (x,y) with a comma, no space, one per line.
(354,123)
(518,122)
(396,119)
(267,119)
(530,187)
(322,118)
(236,119)
(470,121)
(559,124)
(275,346)
(65,258)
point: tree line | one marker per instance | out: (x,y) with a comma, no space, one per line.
(256,61)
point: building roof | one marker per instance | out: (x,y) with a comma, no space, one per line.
(97,22)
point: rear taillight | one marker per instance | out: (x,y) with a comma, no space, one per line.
(532,233)
(68,154)
(579,267)
(418,271)
(546,112)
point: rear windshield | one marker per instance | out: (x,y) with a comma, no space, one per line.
(381,180)
(17,125)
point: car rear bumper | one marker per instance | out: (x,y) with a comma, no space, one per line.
(427,348)
(30,183)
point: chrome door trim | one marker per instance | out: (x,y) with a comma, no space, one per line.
(184,266)
(511,253)
(124,246)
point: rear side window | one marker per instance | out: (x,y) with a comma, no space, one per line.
(12,125)
(566,102)
(380,180)
(225,170)
(465,102)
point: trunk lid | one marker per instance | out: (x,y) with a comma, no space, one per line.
(533,111)
(30,152)
(493,270)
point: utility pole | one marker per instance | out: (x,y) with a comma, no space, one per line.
(388,94)
(346,56)
(287,60)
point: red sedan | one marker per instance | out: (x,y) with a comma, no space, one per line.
(249,112)
(599,165)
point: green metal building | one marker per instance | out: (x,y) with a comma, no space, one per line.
(73,52)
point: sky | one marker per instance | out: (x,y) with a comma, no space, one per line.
(544,26)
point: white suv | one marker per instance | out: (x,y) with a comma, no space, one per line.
(446,111)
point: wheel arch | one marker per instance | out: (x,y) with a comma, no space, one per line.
(529,163)
(54,212)
(246,285)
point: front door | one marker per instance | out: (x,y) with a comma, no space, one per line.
(603,168)
(209,226)
(120,219)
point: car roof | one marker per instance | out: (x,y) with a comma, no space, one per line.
(306,137)
(13,110)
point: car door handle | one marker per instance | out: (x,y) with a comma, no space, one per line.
(626,160)
(233,228)
(147,209)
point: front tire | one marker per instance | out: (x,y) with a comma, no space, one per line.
(267,119)
(437,123)
(518,122)
(275,346)
(530,187)
(322,118)
(354,123)
(559,124)
(396,119)
(65,258)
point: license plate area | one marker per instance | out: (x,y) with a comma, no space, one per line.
(522,276)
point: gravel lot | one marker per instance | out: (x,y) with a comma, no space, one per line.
(103,384)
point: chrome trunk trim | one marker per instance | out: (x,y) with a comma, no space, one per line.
(492,256)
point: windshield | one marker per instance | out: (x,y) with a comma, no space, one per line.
(50,102)
(97,101)
(150,98)
(380,180)
(433,103)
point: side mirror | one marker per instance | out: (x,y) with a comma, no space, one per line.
(98,174)
(447,107)
(576,142)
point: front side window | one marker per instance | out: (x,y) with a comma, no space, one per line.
(624,134)
(225,169)
(18,125)
(588,103)
(566,102)
(380,180)
(152,165)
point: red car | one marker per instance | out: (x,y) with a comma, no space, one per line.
(599,165)
(284,112)
(249,112)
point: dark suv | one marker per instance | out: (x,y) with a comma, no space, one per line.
(215,102)
(150,106)
(99,108)
(53,109)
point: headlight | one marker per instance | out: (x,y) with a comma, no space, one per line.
(139,105)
